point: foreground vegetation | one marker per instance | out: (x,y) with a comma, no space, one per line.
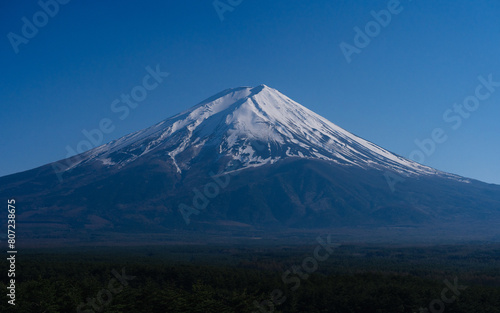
(235,279)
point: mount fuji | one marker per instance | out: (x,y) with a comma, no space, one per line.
(248,161)
(249,127)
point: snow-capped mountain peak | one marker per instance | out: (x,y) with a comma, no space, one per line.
(248,127)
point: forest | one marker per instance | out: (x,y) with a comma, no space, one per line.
(253,278)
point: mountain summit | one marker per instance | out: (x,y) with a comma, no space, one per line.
(248,127)
(248,161)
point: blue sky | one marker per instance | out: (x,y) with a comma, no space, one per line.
(394,90)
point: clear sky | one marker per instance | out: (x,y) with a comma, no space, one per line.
(396,88)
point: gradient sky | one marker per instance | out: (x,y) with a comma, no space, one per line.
(396,90)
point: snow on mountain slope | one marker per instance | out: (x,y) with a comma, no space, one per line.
(251,126)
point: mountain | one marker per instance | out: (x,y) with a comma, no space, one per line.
(248,127)
(248,161)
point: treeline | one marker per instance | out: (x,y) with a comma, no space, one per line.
(355,279)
